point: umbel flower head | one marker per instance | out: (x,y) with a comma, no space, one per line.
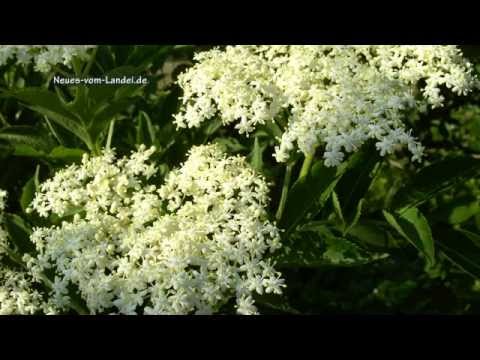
(188,246)
(333,96)
(44,57)
(18,293)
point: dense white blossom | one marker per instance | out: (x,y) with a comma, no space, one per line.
(187,246)
(44,57)
(336,96)
(18,293)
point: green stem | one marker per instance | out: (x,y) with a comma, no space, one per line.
(307,164)
(55,135)
(285,188)
(110,134)
(91,146)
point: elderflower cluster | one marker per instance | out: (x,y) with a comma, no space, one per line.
(18,295)
(187,246)
(44,57)
(336,96)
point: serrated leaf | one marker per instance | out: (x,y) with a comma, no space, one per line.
(41,98)
(50,105)
(318,247)
(80,106)
(69,123)
(26,135)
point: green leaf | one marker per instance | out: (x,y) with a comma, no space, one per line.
(141,132)
(356,216)
(101,119)
(303,249)
(102,94)
(28,151)
(319,246)
(230,144)
(150,128)
(353,187)
(414,228)
(144,55)
(256,156)
(309,194)
(433,179)
(19,232)
(457,211)
(6,149)
(337,207)
(145,132)
(65,154)
(26,135)
(59,154)
(372,234)
(474,238)
(42,99)
(28,193)
(461,248)
(49,104)
(272,129)
(212,126)
(80,106)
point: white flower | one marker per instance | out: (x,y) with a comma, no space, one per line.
(44,57)
(333,158)
(344,94)
(245,306)
(184,247)
(18,293)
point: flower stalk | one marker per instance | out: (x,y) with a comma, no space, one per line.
(285,188)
